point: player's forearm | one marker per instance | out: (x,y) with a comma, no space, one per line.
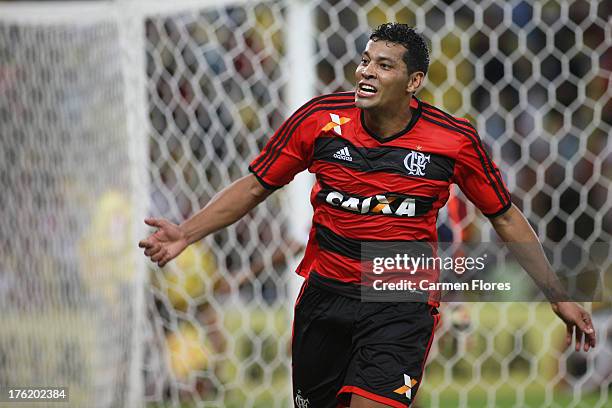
(225,208)
(523,242)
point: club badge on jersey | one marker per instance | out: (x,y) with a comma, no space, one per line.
(415,163)
(301,402)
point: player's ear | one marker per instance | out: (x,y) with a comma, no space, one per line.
(415,80)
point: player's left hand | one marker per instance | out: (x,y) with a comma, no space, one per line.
(578,322)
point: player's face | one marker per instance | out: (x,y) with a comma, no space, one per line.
(382,77)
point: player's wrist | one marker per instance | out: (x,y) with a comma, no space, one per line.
(185,235)
(558,305)
(190,234)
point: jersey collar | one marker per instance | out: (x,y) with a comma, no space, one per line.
(415,106)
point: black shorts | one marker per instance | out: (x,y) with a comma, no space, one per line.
(343,346)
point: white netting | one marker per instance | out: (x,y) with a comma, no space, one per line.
(534,77)
(221,317)
(68,275)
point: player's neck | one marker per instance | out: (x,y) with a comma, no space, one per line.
(388,122)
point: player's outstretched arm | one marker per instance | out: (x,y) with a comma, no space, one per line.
(225,208)
(512,227)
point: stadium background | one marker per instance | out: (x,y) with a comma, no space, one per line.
(110,111)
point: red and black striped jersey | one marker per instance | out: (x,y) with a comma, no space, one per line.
(372,189)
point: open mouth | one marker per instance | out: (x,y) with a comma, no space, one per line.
(366,90)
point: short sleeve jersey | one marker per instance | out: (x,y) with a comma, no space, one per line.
(373,189)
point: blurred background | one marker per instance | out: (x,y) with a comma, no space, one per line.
(112,111)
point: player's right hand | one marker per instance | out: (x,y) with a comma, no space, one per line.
(166,243)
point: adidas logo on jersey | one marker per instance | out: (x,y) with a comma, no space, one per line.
(343,154)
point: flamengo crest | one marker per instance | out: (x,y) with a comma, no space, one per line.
(300,402)
(415,163)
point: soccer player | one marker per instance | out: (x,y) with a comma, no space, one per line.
(384,161)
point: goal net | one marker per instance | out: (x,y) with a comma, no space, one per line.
(110,112)
(72,178)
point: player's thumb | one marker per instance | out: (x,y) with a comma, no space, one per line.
(154,222)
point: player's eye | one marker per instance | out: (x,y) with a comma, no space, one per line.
(364,61)
(385,66)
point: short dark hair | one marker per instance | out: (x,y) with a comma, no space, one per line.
(416,56)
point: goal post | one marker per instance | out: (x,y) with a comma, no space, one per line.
(75,186)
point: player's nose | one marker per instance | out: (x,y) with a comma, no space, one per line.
(369,72)
(366,71)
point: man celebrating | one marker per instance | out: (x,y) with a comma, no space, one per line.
(384,162)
